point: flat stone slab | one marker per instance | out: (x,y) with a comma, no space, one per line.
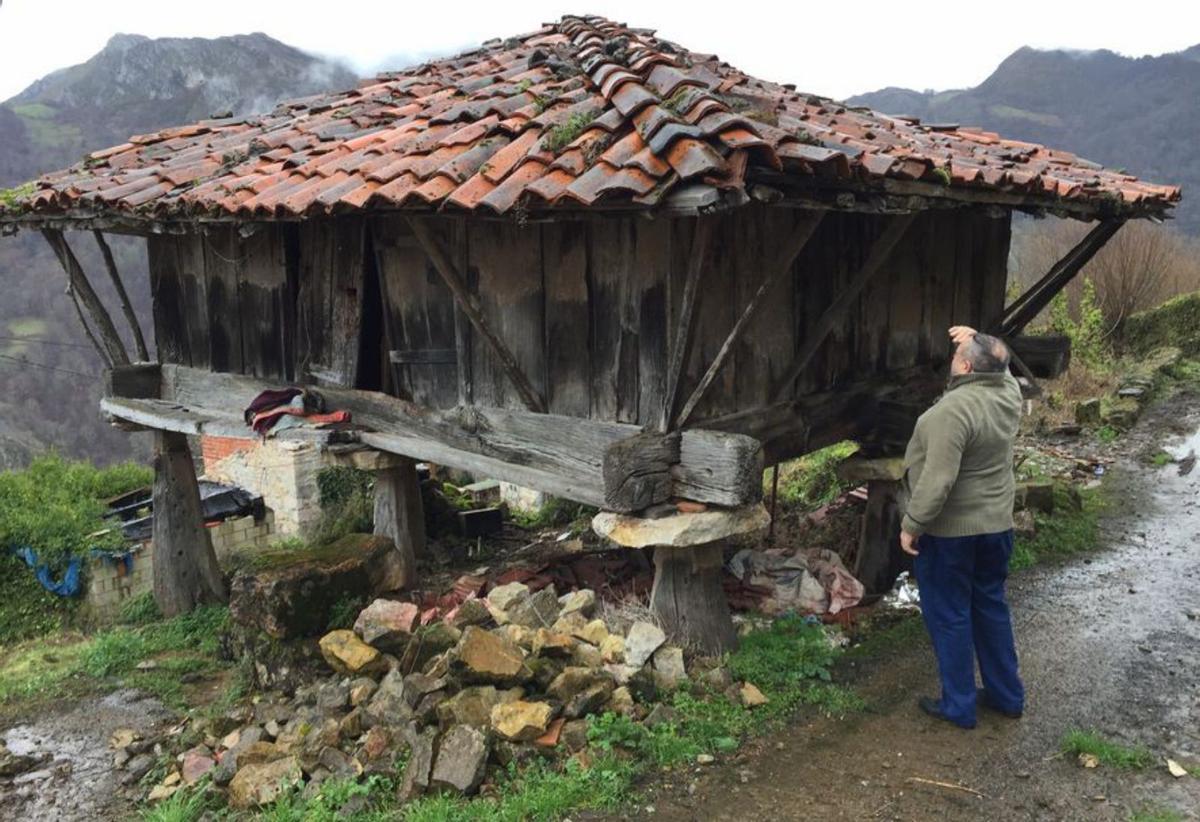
(681,530)
(864,469)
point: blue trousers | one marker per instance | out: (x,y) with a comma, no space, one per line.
(962,599)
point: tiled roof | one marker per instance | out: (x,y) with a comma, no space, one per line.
(582,113)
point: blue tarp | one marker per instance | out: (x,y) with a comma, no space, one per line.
(72,580)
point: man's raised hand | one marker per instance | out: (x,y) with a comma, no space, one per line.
(960,334)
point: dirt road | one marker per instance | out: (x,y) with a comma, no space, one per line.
(1106,643)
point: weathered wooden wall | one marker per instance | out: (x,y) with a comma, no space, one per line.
(584,306)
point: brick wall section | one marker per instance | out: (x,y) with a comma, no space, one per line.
(215,449)
(284,473)
(109,586)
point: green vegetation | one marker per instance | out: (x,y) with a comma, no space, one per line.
(1156,815)
(10,197)
(347,498)
(556,513)
(564,133)
(1071,529)
(1089,333)
(1161,458)
(344,612)
(1175,323)
(941,175)
(1110,753)
(1107,434)
(56,507)
(812,481)
(152,655)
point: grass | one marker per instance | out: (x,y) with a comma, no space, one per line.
(178,649)
(1077,742)
(1156,815)
(555,513)
(1066,532)
(811,481)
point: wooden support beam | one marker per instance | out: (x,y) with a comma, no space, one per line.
(474,312)
(186,574)
(400,517)
(87,329)
(795,245)
(1025,308)
(560,455)
(82,287)
(880,559)
(836,313)
(637,471)
(110,264)
(681,342)
(688,599)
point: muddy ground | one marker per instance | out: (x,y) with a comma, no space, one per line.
(1109,641)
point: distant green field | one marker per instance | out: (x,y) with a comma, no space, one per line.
(34,111)
(30,327)
(1021,114)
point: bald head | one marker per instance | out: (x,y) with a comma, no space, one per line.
(985,353)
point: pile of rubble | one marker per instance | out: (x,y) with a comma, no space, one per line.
(505,678)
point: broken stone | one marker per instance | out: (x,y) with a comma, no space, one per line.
(161,792)
(339,763)
(473,706)
(547,642)
(661,715)
(519,635)
(333,696)
(258,753)
(544,670)
(582,601)
(587,655)
(12,764)
(621,702)
(594,632)
(255,785)
(581,691)
(349,655)
(643,639)
(196,763)
(135,768)
(425,711)
(351,725)
(1038,496)
(717,678)
(294,595)
(750,696)
(361,690)
(553,731)
(461,757)
(669,672)
(681,530)
(426,644)
(521,721)
(485,656)
(502,597)
(537,610)
(612,649)
(422,748)
(575,735)
(388,706)
(470,612)
(417,686)
(621,673)
(387,624)
(123,737)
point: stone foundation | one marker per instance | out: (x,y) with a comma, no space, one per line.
(283,473)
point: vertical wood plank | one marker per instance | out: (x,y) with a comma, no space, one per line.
(400,517)
(614,332)
(646,305)
(507,259)
(715,318)
(568,324)
(170,330)
(262,277)
(346,296)
(225,328)
(193,284)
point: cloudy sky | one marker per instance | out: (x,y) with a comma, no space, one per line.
(832,48)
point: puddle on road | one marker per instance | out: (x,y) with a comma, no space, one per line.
(77,781)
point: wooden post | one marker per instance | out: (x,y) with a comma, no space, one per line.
(81,287)
(687,597)
(400,517)
(185,567)
(879,557)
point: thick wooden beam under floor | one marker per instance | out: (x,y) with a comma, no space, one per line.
(185,567)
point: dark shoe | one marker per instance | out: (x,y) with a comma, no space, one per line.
(984,701)
(933,707)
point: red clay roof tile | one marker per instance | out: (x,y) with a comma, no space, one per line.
(472,130)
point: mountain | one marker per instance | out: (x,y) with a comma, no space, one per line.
(49,375)
(1140,114)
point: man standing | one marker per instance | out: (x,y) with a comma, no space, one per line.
(958,478)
